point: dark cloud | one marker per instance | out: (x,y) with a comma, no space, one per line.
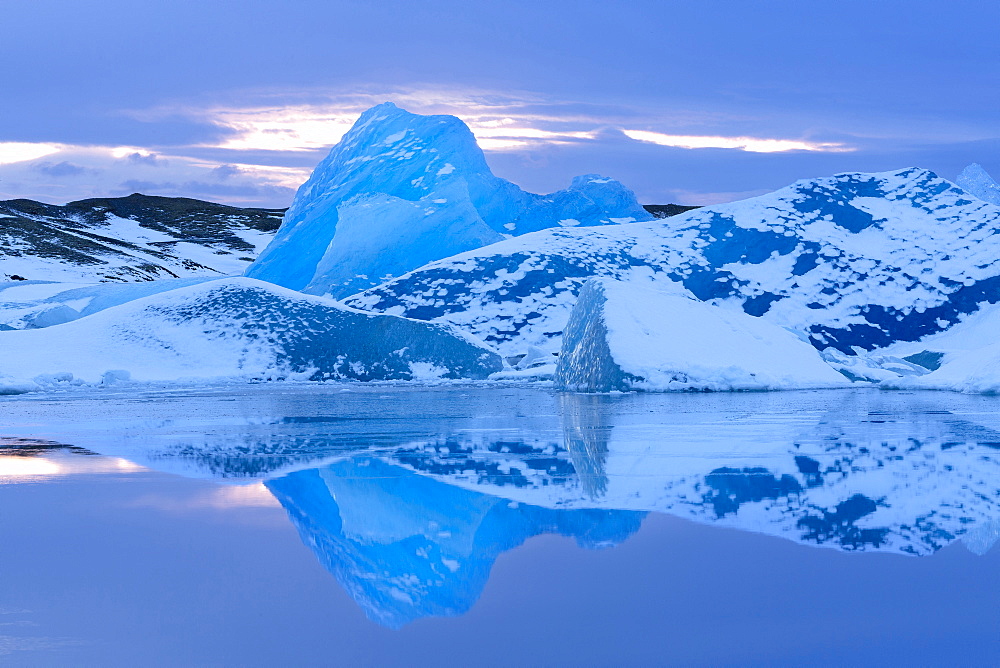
(60,169)
(224,172)
(150,159)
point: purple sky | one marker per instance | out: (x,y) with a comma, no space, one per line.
(682,101)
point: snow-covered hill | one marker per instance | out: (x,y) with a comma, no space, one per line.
(134,238)
(852,260)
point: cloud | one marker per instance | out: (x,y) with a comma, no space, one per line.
(751,144)
(59,169)
(266,143)
(145,158)
(224,172)
(78,172)
(310,120)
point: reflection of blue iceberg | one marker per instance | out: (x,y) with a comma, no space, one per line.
(406,546)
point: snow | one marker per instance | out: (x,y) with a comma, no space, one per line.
(387,177)
(976,181)
(28,291)
(236,328)
(973,371)
(656,336)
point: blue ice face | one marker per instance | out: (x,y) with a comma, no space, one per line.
(401,190)
(976,181)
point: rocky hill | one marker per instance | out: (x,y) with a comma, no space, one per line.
(134,238)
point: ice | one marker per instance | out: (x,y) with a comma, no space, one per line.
(625,336)
(981,538)
(237,329)
(34,304)
(977,181)
(853,261)
(377,200)
(362,256)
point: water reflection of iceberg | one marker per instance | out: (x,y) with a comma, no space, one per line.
(407,546)
(410,513)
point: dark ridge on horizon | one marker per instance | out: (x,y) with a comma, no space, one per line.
(141,206)
(138,205)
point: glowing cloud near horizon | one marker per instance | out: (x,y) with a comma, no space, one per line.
(308,128)
(751,144)
(303,128)
(12,152)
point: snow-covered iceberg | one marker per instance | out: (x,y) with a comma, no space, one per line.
(853,261)
(238,328)
(977,181)
(623,336)
(401,190)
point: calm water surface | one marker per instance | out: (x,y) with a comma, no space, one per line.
(386,525)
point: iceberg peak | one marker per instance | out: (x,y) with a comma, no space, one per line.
(400,190)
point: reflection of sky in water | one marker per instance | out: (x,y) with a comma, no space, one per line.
(410,497)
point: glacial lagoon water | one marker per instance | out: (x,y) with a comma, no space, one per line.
(484,525)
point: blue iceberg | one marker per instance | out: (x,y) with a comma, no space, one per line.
(401,190)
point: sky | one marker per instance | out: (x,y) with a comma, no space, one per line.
(686,102)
